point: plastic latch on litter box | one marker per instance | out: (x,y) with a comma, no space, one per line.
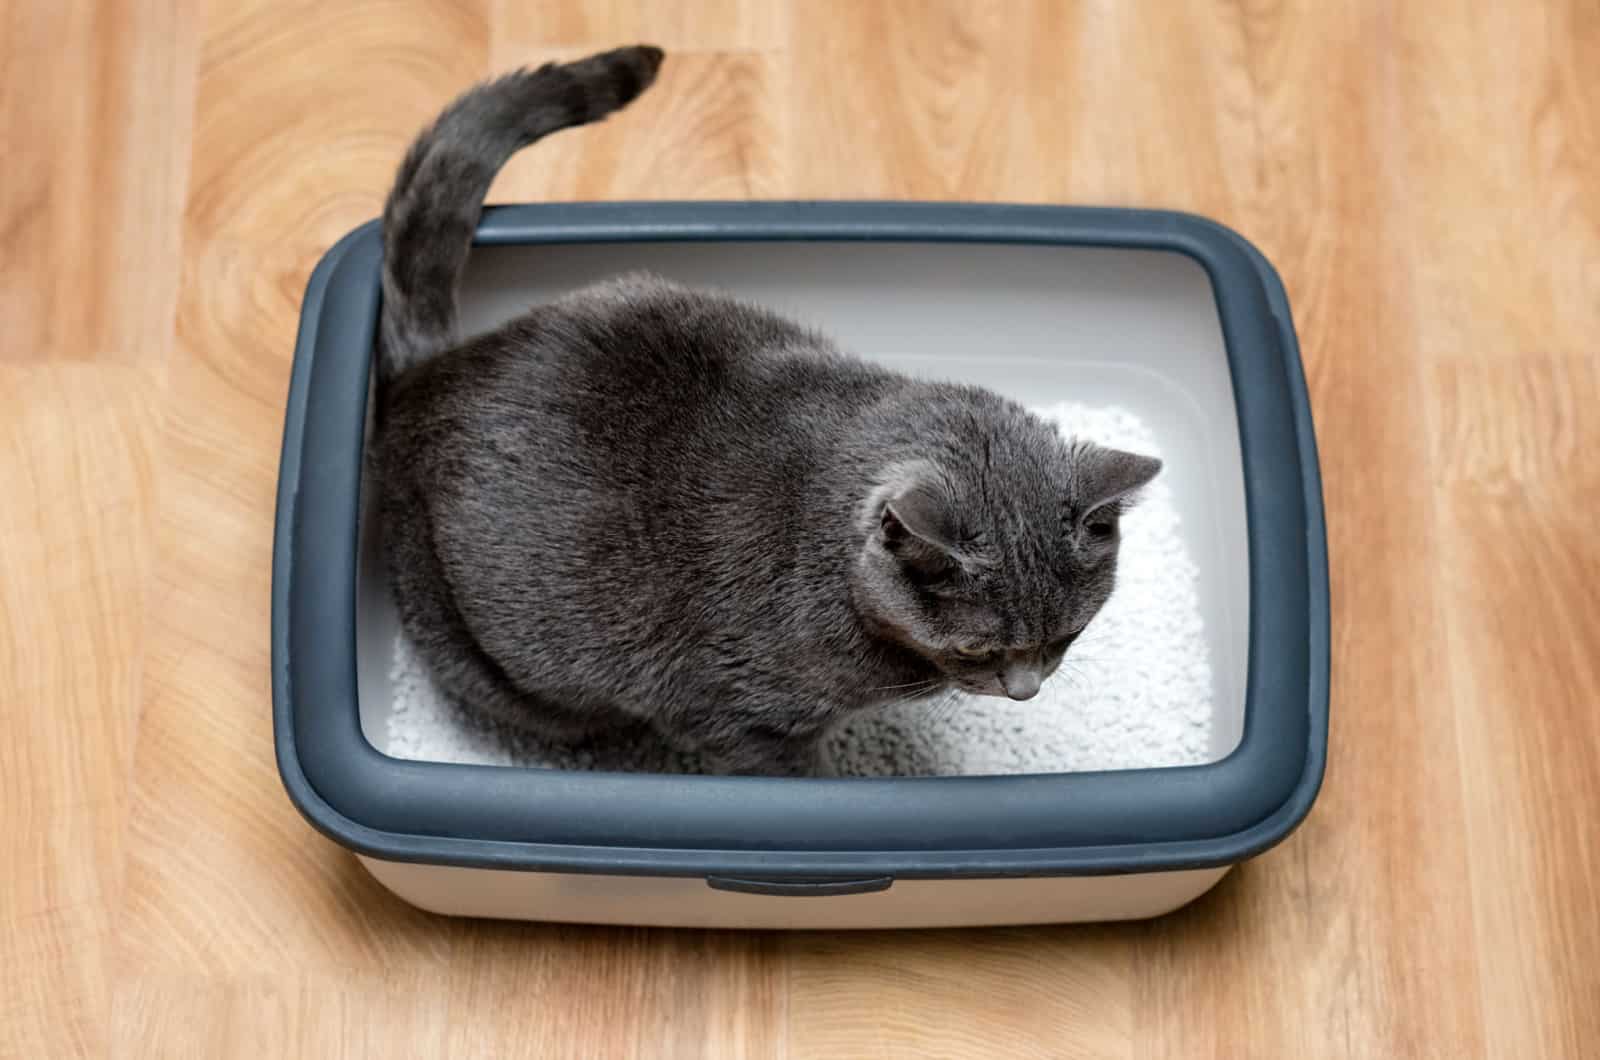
(800,888)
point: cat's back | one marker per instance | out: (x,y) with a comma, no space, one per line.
(630,424)
(581,466)
(627,377)
(657,350)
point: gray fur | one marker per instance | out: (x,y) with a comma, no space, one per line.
(433,208)
(651,512)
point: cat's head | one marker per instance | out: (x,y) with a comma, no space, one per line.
(989,564)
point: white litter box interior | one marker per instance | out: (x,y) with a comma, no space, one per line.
(1122,346)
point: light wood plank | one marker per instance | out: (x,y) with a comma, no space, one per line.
(95,115)
(1506,244)
(1515,441)
(1015,992)
(76,527)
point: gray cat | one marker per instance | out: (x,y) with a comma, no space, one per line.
(647,512)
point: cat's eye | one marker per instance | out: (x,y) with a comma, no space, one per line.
(1102,522)
(972,651)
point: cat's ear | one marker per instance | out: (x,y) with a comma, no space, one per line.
(915,527)
(911,515)
(1106,483)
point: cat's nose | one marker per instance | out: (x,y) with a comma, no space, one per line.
(1020,684)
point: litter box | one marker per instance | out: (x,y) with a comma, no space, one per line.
(1168,315)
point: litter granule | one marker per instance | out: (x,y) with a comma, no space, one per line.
(1134,691)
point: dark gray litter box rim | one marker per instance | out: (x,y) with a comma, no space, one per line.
(1045,825)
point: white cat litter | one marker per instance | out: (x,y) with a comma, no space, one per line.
(1134,691)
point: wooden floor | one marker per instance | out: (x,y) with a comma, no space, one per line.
(1426,177)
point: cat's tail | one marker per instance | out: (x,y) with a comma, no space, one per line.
(432,211)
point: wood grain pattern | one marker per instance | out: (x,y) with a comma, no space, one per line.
(96,110)
(75,465)
(1514,444)
(1421,174)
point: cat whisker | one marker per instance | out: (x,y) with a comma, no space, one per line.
(924,684)
(1077,679)
(944,706)
(933,705)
